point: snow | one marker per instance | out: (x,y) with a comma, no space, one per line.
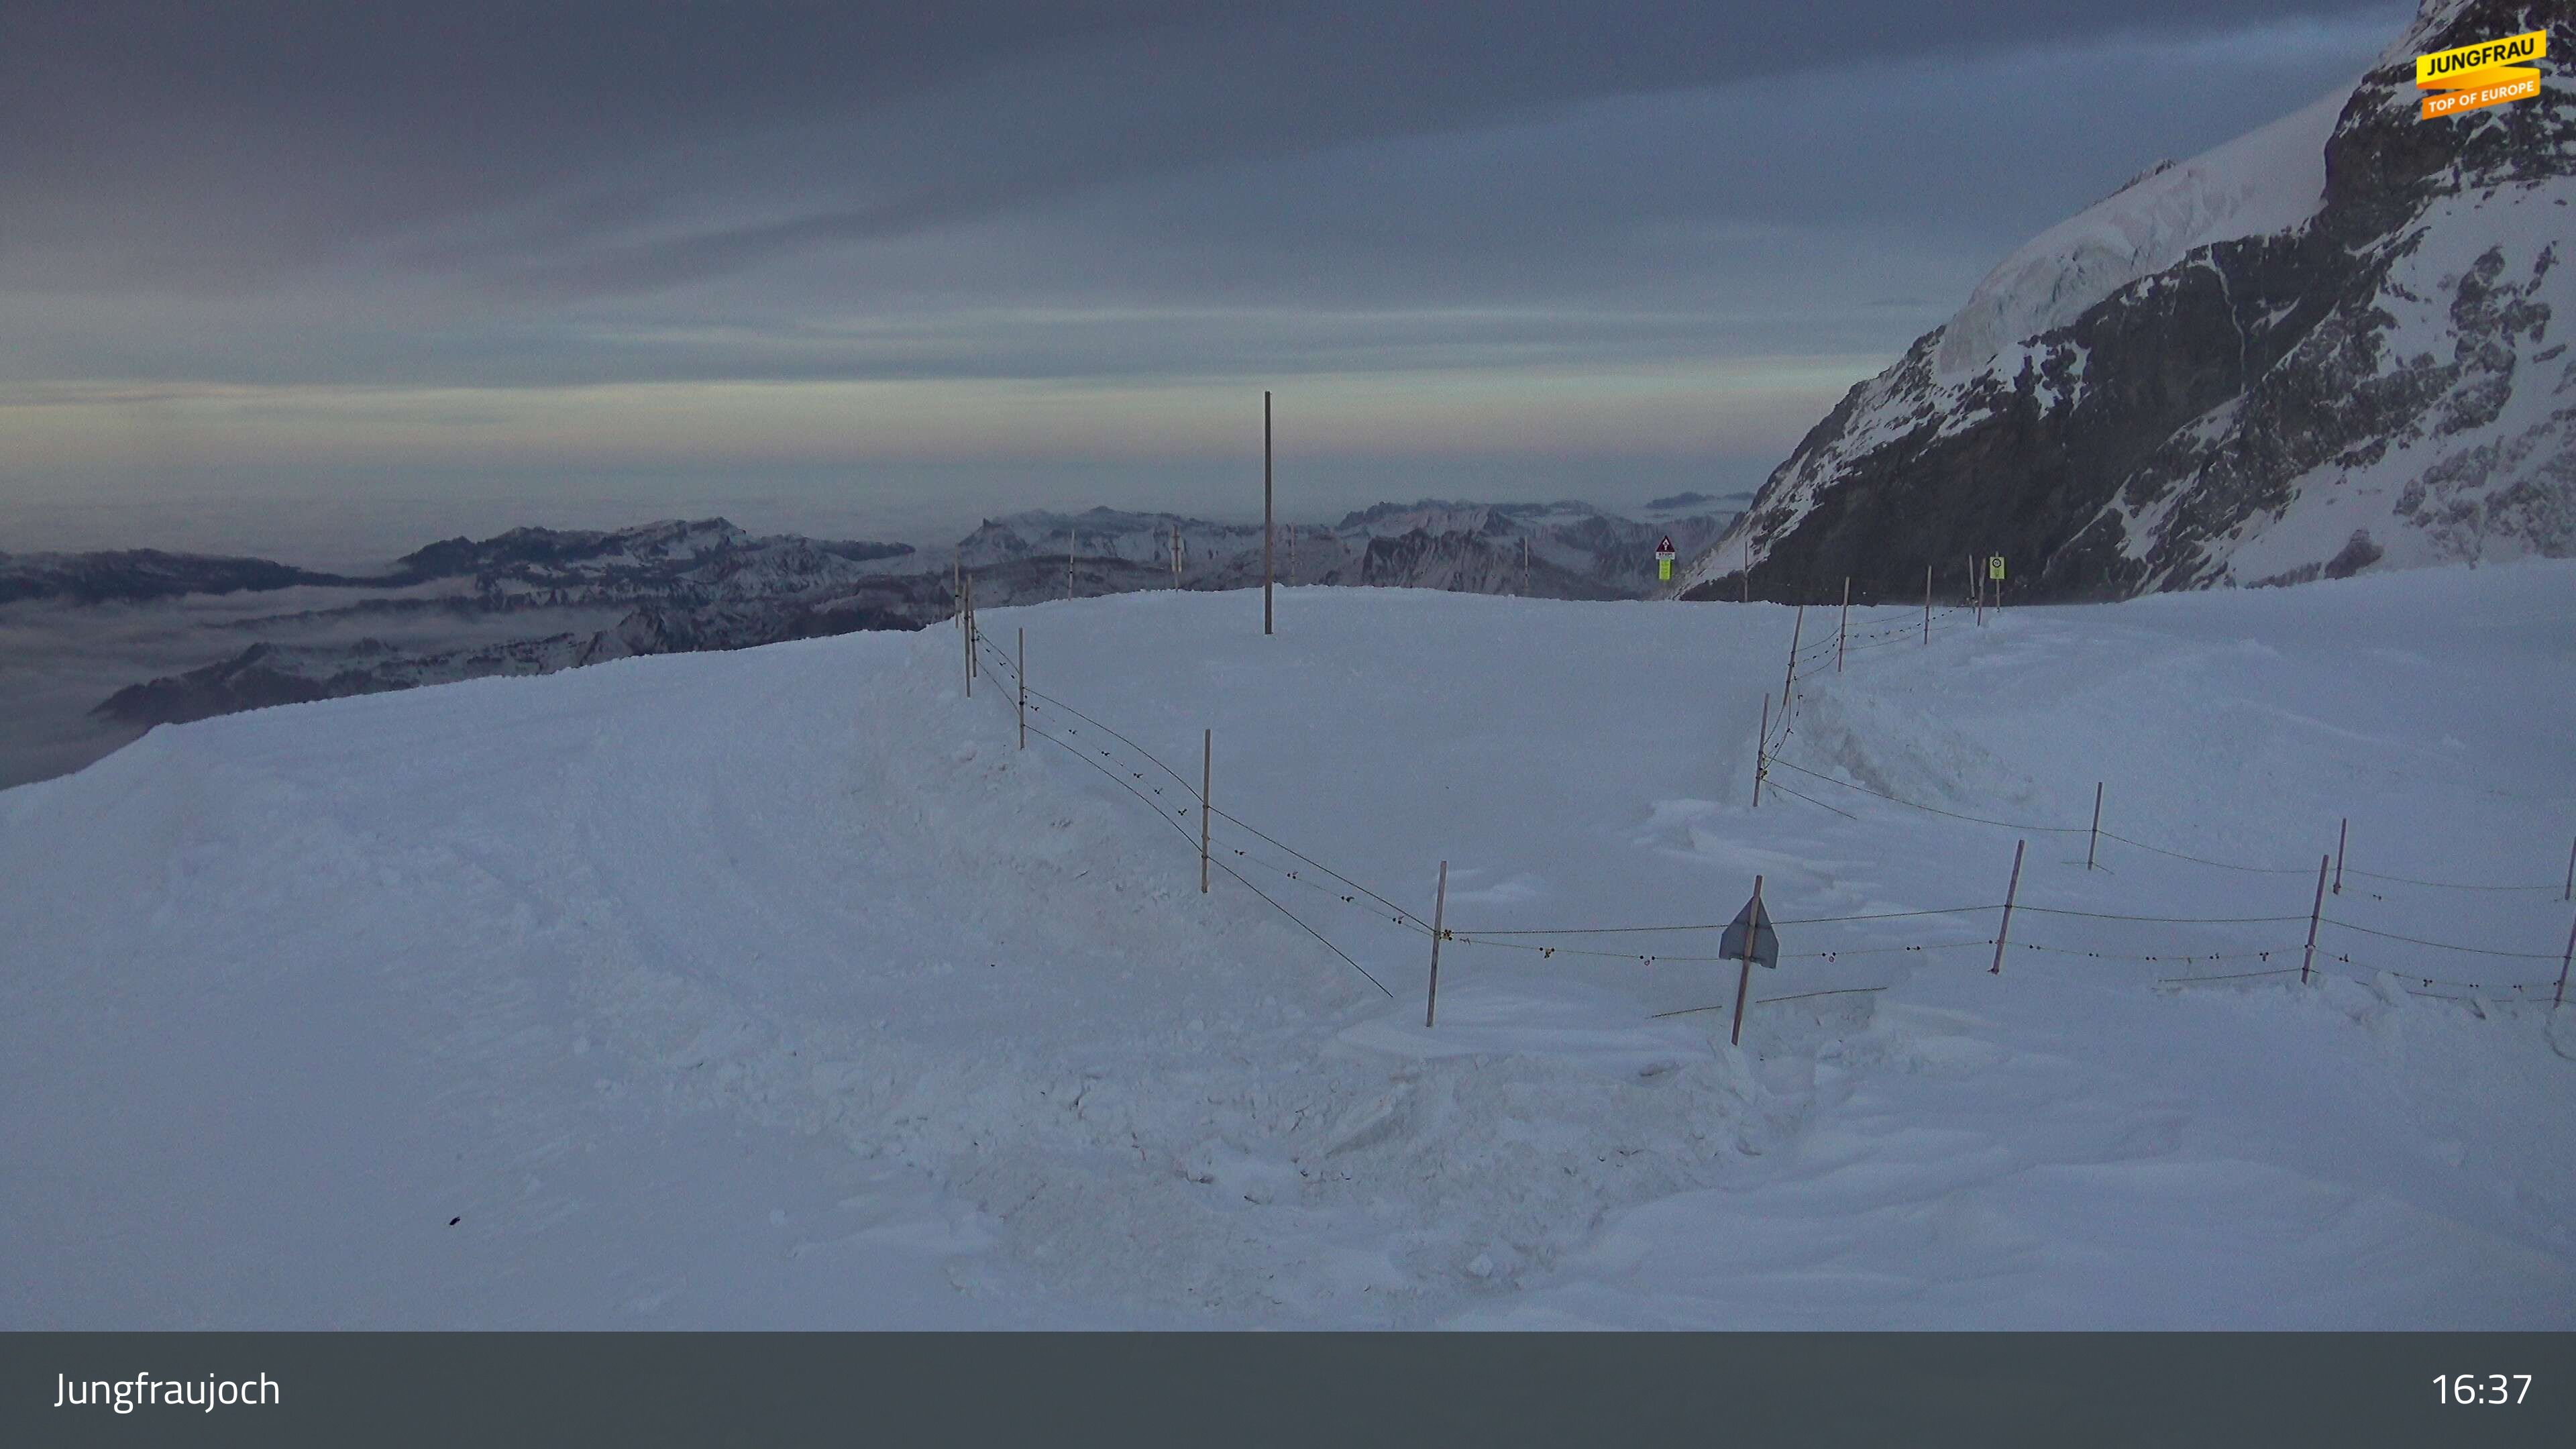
(2269,180)
(779,988)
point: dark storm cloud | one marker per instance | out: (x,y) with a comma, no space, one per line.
(596,150)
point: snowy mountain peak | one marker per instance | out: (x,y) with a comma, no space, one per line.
(2323,347)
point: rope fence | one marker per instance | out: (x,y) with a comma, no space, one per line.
(1547,943)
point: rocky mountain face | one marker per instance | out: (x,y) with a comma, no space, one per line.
(2323,348)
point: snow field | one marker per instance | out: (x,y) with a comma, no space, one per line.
(780,988)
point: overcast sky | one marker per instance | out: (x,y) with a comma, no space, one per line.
(457,264)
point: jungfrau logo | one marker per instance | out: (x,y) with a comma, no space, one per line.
(2489,73)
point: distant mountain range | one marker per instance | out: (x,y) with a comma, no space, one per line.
(2324,347)
(678,586)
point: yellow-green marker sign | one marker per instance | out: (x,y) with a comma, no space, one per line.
(1995,567)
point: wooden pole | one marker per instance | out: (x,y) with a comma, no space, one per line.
(2570,894)
(1024,689)
(1977,582)
(2560,999)
(1265,511)
(1797,631)
(1207,777)
(1842,632)
(1927,606)
(2343,833)
(1762,752)
(1744,973)
(2095,842)
(2316,913)
(967,633)
(1439,906)
(2011,893)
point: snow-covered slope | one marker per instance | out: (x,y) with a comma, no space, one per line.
(2333,345)
(780,988)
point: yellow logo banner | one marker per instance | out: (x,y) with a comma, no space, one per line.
(2490,73)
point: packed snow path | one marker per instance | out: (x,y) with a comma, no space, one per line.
(781,988)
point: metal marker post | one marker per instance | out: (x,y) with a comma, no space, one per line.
(1797,631)
(1762,752)
(1927,606)
(2011,892)
(1842,633)
(1265,511)
(1024,689)
(1439,907)
(2343,832)
(1207,776)
(2096,839)
(2315,914)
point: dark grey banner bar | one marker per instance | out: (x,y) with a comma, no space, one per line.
(1311,1390)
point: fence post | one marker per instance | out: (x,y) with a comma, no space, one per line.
(1927,606)
(2342,832)
(1744,973)
(2316,913)
(1977,584)
(2011,892)
(1842,632)
(1069,541)
(2560,999)
(2570,892)
(1797,631)
(1207,776)
(1762,752)
(1024,688)
(966,619)
(1439,908)
(2096,840)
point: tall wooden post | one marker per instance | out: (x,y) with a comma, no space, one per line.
(1265,511)
(1024,688)
(1927,606)
(1977,583)
(2343,833)
(2316,913)
(1762,752)
(1207,777)
(1797,631)
(1842,632)
(2095,841)
(967,632)
(1439,908)
(1744,973)
(2011,893)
